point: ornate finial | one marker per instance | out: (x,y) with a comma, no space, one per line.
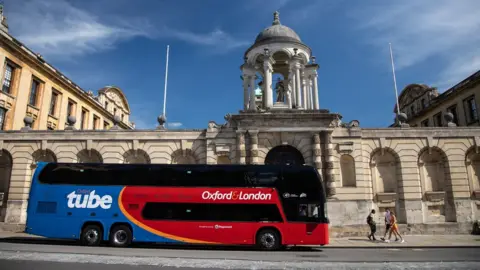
(161,119)
(313,59)
(276,18)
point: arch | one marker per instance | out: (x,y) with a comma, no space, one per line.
(386,176)
(432,163)
(183,157)
(105,90)
(385,170)
(6,164)
(255,55)
(472,163)
(437,192)
(44,156)
(347,171)
(137,156)
(89,156)
(285,155)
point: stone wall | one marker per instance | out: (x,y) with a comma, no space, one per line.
(421,174)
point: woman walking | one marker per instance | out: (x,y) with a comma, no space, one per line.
(394,228)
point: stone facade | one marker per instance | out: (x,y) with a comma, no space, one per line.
(428,176)
(35,92)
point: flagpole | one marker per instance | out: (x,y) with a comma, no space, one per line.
(165,89)
(394,79)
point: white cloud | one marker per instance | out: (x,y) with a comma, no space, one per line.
(220,40)
(422,30)
(62,30)
(174,124)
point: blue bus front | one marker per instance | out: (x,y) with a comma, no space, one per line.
(61,210)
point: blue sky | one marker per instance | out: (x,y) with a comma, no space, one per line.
(123,43)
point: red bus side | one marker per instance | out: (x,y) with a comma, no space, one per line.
(133,199)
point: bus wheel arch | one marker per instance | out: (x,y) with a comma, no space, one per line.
(121,234)
(268,238)
(91,233)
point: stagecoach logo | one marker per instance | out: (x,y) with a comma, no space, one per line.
(222,227)
(89,200)
(235,195)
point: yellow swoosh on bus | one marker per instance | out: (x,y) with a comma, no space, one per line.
(155,231)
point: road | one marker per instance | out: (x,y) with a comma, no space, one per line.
(56,255)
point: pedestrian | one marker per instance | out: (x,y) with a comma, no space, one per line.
(372,224)
(394,228)
(387,225)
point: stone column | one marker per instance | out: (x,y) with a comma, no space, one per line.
(316,105)
(305,90)
(245,92)
(298,86)
(329,177)
(252,106)
(241,154)
(317,154)
(254,146)
(309,93)
(291,83)
(268,69)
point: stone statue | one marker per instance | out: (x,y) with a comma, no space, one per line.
(280,89)
(289,96)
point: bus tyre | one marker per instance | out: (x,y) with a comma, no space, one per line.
(268,239)
(92,235)
(121,236)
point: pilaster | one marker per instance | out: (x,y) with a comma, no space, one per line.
(329,176)
(317,153)
(254,146)
(241,153)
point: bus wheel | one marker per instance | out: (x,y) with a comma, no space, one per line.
(268,239)
(120,236)
(92,235)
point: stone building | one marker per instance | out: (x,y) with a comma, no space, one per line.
(34,88)
(425,107)
(428,175)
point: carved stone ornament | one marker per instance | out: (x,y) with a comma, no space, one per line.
(335,122)
(113,96)
(316,138)
(212,126)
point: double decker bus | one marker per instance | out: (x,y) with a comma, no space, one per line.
(270,206)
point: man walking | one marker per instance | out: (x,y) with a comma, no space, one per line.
(372,224)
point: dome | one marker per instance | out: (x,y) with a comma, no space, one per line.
(277,32)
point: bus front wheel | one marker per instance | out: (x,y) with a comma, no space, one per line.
(120,236)
(268,239)
(92,235)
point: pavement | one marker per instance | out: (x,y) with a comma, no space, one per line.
(411,241)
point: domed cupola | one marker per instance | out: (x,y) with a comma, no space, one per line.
(279,51)
(277,32)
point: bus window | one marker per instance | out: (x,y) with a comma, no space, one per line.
(211,212)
